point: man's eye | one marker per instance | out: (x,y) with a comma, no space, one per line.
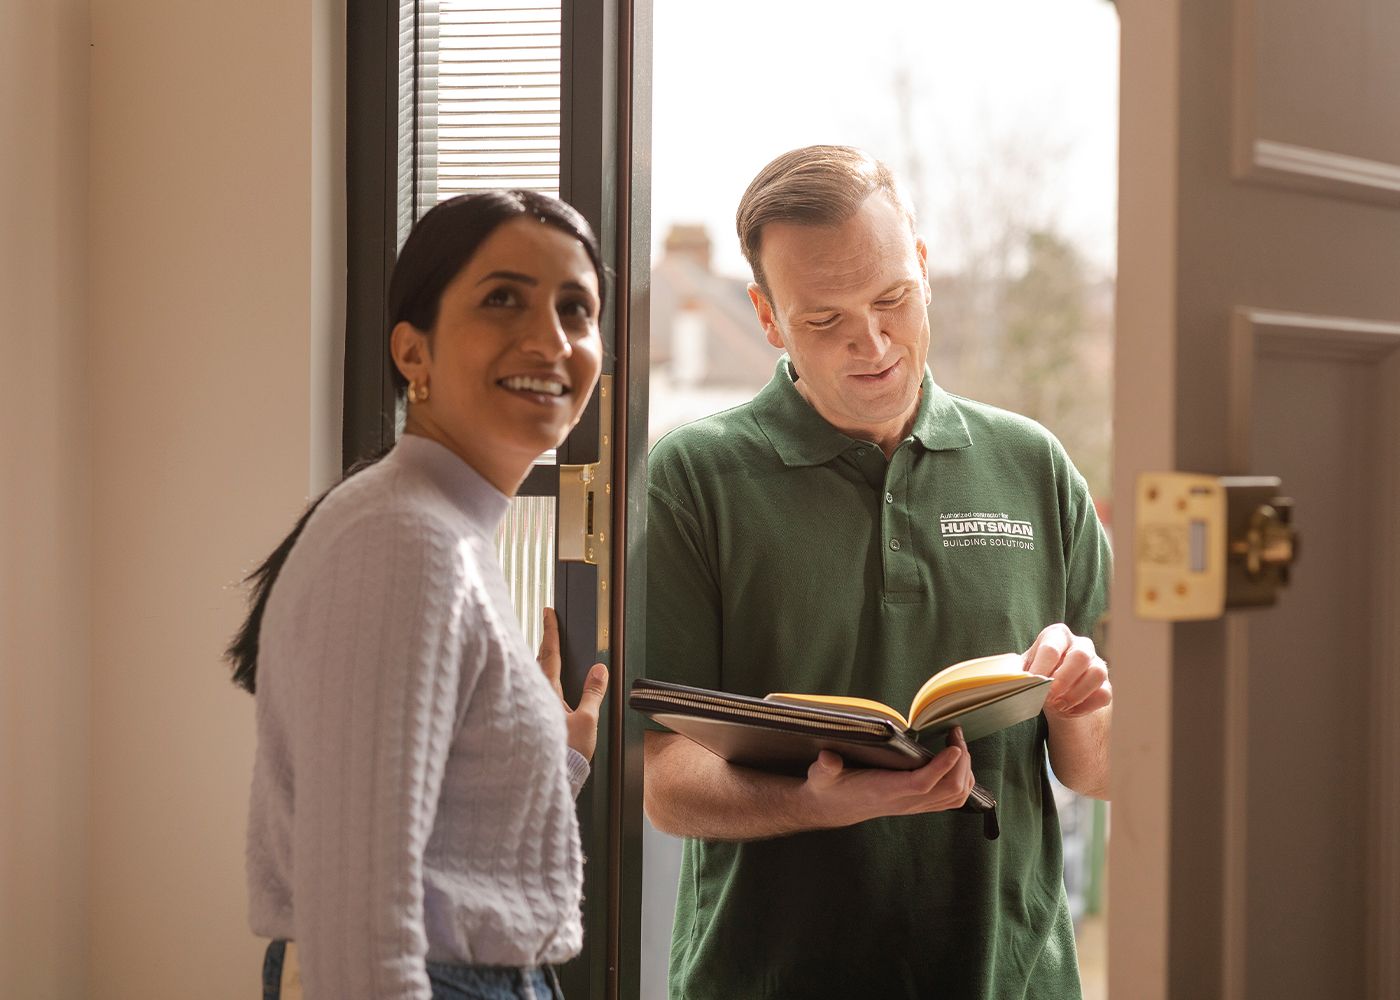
(890,303)
(823,324)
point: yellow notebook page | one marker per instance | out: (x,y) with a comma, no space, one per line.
(863,706)
(967,675)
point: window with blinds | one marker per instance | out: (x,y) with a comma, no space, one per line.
(487,110)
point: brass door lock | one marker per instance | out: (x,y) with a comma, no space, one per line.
(1269,541)
(1206,544)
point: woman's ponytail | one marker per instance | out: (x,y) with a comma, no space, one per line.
(242,651)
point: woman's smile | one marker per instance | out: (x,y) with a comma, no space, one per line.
(547,390)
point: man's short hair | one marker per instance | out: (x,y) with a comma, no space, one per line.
(811,186)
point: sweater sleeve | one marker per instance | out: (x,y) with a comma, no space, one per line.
(374,698)
(578,769)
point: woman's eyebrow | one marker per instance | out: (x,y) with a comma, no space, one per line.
(524,279)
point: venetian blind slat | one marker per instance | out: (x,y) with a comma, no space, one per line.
(489,97)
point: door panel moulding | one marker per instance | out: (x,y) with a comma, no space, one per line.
(1323,172)
(1299,167)
(1262,333)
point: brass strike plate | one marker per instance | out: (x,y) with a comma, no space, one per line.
(585,511)
(1206,544)
(1180,547)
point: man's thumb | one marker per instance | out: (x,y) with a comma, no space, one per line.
(827,765)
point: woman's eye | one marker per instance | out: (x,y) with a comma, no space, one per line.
(500,297)
(576,309)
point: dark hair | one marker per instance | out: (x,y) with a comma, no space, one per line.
(811,186)
(440,245)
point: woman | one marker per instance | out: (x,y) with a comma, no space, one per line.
(412,825)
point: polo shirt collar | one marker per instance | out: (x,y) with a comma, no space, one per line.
(801,436)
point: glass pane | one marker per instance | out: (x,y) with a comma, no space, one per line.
(526,547)
(1006,145)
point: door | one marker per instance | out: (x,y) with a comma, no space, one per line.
(1256,785)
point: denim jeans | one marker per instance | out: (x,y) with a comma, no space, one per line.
(449,982)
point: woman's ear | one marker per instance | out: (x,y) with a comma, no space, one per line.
(408,346)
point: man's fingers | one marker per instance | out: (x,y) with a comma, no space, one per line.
(1092,701)
(927,777)
(1049,649)
(1078,683)
(946,781)
(595,686)
(1047,658)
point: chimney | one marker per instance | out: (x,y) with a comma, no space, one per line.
(689,242)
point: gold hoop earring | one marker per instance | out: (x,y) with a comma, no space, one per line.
(416,394)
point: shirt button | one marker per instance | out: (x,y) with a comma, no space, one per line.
(860,453)
(894,544)
(889,498)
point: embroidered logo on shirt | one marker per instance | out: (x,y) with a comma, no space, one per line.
(976,528)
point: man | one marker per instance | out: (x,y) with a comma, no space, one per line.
(808,541)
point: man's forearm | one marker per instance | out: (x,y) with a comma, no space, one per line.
(1079,751)
(692,793)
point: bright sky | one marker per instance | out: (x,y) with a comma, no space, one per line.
(736,82)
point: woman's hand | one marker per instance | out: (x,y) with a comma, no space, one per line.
(582,722)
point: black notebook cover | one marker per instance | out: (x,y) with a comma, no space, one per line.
(785,738)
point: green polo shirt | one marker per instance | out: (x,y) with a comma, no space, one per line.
(785,556)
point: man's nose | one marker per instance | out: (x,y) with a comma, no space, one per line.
(869,341)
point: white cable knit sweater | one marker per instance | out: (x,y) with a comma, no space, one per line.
(412,792)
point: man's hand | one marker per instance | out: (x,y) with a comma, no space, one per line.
(838,796)
(1078,677)
(582,722)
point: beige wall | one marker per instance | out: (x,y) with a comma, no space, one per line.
(205,148)
(45,505)
(171,290)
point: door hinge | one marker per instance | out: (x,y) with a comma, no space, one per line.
(585,511)
(1206,544)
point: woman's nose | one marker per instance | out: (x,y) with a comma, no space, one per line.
(545,336)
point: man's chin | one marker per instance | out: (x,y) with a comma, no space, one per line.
(877,412)
(888,401)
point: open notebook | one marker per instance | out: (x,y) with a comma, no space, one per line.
(784,732)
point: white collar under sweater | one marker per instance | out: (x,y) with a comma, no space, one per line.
(412,795)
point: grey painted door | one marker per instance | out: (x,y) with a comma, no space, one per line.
(1256,841)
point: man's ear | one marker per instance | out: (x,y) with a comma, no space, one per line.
(764,310)
(921,248)
(408,346)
